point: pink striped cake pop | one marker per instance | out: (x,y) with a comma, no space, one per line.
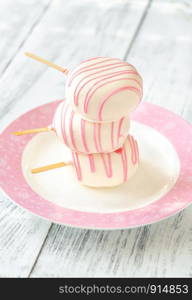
(104,89)
(88,137)
(107,169)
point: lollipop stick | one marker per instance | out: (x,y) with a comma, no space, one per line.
(50,167)
(46,62)
(36,130)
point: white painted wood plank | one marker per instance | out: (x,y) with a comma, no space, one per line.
(21,237)
(162,53)
(21,234)
(106,29)
(160,250)
(17,20)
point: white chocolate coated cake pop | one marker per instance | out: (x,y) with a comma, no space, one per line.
(104,89)
(107,169)
(88,137)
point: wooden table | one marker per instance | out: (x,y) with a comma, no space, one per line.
(154,35)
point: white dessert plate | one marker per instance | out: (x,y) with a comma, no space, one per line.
(161,187)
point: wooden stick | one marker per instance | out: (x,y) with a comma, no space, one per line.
(50,167)
(36,130)
(46,62)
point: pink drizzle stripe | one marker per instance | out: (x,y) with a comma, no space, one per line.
(71,131)
(124,163)
(104,77)
(99,138)
(95,136)
(77,165)
(108,164)
(130,88)
(63,119)
(112,135)
(91,163)
(137,151)
(88,99)
(133,153)
(87,69)
(83,135)
(88,76)
(90,59)
(119,129)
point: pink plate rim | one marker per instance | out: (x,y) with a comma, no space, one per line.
(13,184)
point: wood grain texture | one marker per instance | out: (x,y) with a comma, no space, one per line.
(156,37)
(162,249)
(21,237)
(18,18)
(162,52)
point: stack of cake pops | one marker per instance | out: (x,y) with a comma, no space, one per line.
(93,121)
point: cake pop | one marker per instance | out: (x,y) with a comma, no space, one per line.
(88,137)
(103,89)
